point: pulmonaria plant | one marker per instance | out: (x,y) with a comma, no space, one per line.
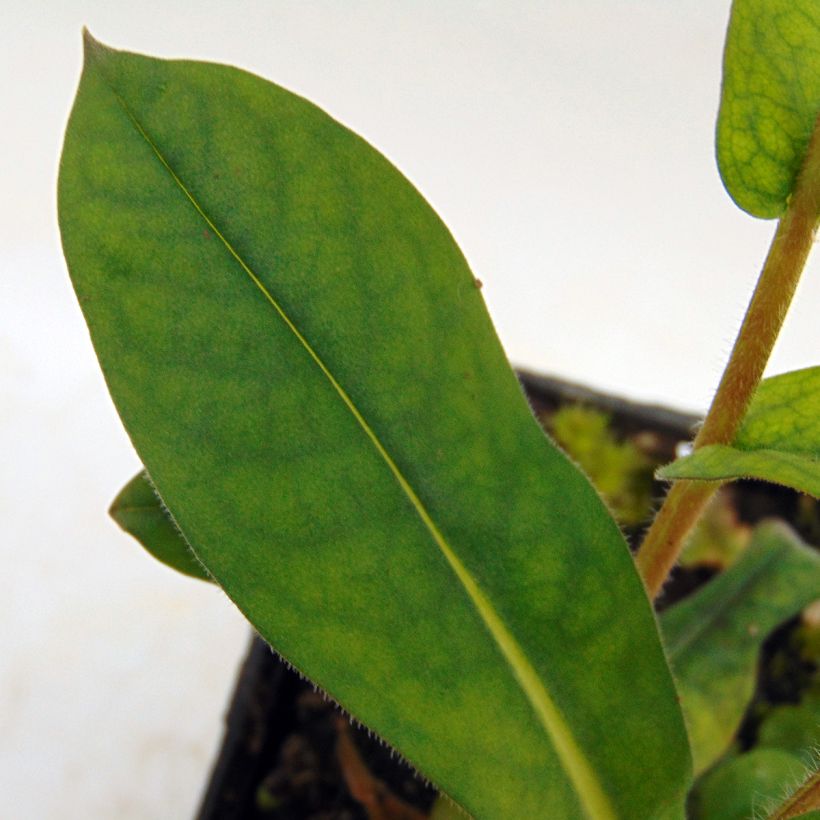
(331,432)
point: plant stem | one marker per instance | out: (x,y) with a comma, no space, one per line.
(806,798)
(764,317)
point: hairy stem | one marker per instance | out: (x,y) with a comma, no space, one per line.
(806,798)
(761,325)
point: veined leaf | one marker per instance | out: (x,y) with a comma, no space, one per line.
(769,101)
(714,636)
(778,441)
(307,369)
(138,510)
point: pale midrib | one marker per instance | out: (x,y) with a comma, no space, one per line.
(589,791)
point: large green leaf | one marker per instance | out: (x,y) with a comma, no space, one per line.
(307,369)
(770,100)
(779,440)
(714,636)
(139,511)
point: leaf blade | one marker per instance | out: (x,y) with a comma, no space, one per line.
(770,100)
(719,462)
(356,478)
(713,637)
(778,441)
(139,511)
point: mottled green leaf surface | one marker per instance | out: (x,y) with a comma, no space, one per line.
(769,101)
(138,510)
(308,372)
(779,440)
(745,787)
(714,636)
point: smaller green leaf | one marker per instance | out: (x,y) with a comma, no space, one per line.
(740,787)
(779,440)
(714,636)
(139,511)
(793,727)
(717,462)
(769,101)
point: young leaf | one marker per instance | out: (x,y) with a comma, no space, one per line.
(138,510)
(769,101)
(739,788)
(779,440)
(306,368)
(793,727)
(714,636)
(718,462)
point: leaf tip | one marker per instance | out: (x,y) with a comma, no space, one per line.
(93,48)
(89,41)
(114,509)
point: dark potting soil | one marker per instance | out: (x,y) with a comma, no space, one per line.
(287,755)
(290,754)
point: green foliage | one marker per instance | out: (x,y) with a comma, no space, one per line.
(138,510)
(306,368)
(770,100)
(718,462)
(743,787)
(713,637)
(618,469)
(793,727)
(779,440)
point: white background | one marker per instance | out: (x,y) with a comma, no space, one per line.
(569,147)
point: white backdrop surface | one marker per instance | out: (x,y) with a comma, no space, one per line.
(569,147)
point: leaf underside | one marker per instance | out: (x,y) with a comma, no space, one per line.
(308,372)
(713,637)
(770,100)
(779,440)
